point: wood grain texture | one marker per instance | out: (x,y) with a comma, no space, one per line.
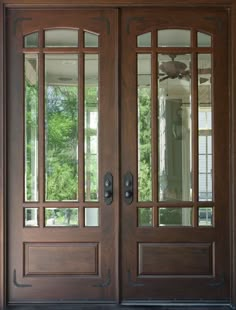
(61,259)
(120,3)
(124,3)
(180,259)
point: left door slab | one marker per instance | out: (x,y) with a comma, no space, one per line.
(61,124)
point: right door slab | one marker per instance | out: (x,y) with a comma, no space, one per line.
(175,144)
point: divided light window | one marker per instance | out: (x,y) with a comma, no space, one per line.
(174,129)
(61,111)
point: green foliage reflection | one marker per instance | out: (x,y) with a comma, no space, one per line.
(61,135)
(145,154)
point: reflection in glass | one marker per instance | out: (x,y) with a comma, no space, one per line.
(91,217)
(144,40)
(204,127)
(91,94)
(31,217)
(61,38)
(144,217)
(203,40)
(175,216)
(144,128)
(205,217)
(174,38)
(61,127)
(90,39)
(31,40)
(174,128)
(61,217)
(31,126)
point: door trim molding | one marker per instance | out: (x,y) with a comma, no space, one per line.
(228,4)
(232,78)
(2,163)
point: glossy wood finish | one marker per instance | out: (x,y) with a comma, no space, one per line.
(163,282)
(141,3)
(232,45)
(84,266)
(120,3)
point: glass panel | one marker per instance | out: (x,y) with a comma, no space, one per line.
(61,38)
(61,217)
(90,39)
(144,217)
(91,127)
(205,127)
(205,217)
(31,217)
(174,38)
(144,40)
(174,128)
(175,217)
(31,40)
(91,217)
(61,127)
(144,128)
(31,127)
(203,40)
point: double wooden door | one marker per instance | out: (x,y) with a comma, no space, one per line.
(117,155)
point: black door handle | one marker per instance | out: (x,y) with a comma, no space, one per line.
(108,188)
(128,188)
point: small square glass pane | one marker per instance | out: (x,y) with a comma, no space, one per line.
(144,40)
(91,217)
(174,38)
(61,38)
(145,217)
(203,40)
(31,217)
(61,217)
(205,217)
(90,39)
(175,216)
(31,40)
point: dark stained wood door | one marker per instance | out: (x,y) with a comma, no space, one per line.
(62,133)
(66,209)
(175,155)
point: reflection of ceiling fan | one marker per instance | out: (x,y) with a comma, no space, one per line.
(175,69)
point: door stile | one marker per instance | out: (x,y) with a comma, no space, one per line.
(194,106)
(154,130)
(41,129)
(81,127)
(232,79)
(117,177)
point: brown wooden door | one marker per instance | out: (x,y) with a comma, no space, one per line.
(62,133)
(174,122)
(65,212)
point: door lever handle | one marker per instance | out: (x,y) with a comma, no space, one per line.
(128,188)
(108,188)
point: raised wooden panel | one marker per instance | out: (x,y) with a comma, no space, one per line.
(61,258)
(176,259)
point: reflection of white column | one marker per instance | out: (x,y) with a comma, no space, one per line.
(186,165)
(91,217)
(162,142)
(186,154)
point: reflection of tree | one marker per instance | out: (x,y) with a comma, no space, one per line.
(61,216)
(144,128)
(61,135)
(31,140)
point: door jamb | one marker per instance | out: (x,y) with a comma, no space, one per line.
(3,248)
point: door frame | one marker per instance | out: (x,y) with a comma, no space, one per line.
(229,5)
